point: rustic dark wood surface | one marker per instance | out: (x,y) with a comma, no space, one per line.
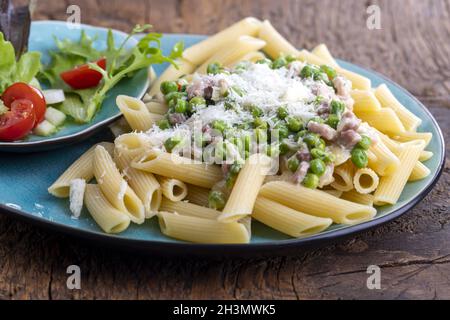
(412,48)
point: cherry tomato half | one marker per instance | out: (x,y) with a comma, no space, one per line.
(83,77)
(21,90)
(17,122)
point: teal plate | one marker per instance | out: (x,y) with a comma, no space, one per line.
(24,181)
(42,39)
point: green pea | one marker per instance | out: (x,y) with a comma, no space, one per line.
(359,157)
(365,142)
(293,164)
(318,120)
(294,124)
(197,101)
(216,200)
(311,139)
(317,167)
(264,61)
(284,148)
(256,112)
(337,107)
(279,63)
(307,71)
(260,123)
(230,181)
(317,153)
(319,75)
(333,120)
(219,125)
(168,87)
(300,134)
(174,95)
(164,124)
(311,181)
(181,106)
(290,58)
(171,143)
(283,130)
(321,144)
(282,113)
(214,68)
(235,169)
(331,73)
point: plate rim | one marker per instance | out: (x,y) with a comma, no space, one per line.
(167,248)
(16,146)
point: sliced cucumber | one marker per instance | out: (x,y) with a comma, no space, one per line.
(44,129)
(54,116)
(3,108)
(54,96)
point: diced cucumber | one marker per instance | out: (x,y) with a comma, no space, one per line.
(3,108)
(35,83)
(54,116)
(54,96)
(45,129)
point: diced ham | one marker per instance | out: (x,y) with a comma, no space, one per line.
(321,89)
(343,86)
(200,86)
(324,130)
(348,122)
(349,138)
(304,155)
(176,118)
(301,172)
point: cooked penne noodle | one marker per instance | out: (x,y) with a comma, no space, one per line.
(355,196)
(251,56)
(316,203)
(198,195)
(276,44)
(200,52)
(392,145)
(390,187)
(188,209)
(334,192)
(411,136)
(173,189)
(115,188)
(386,162)
(201,230)
(385,120)
(286,220)
(425,155)
(235,51)
(323,53)
(343,177)
(176,167)
(420,171)
(156,107)
(365,101)
(107,217)
(145,185)
(248,183)
(172,73)
(82,168)
(136,113)
(410,121)
(120,127)
(365,181)
(308,57)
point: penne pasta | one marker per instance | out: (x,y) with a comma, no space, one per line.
(355,196)
(411,136)
(420,171)
(365,101)
(235,51)
(409,120)
(251,56)
(385,120)
(386,162)
(202,230)
(176,167)
(144,184)
(334,192)
(248,183)
(107,217)
(188,209)
(286,220)
(390,187)
(316,203)
(323,53)
(198,195)
(365,181)
(343,177)
(82,168)
(425,155)
(115,188)
(200,52)
(119,127)
(156,107)
(136,113)
(276,44)
(173,189)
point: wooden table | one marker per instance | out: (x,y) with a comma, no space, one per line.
(412,48)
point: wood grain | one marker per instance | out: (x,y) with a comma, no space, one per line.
(412,48)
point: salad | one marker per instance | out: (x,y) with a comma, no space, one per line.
(76,81)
